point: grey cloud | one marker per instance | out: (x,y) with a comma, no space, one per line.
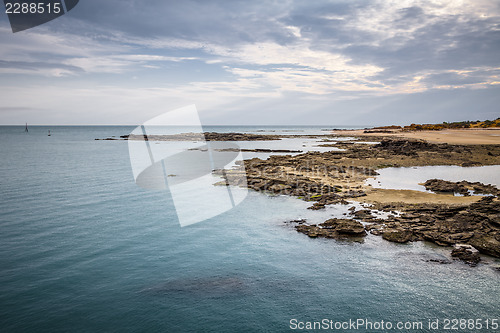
(443,46)
(433,106)
(36,66)
(325,22)
(6,109)
(225,22)
(440,43)
(411,13)
(437,106)
(450,42)
(456,79)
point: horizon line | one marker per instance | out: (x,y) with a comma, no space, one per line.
(232,125)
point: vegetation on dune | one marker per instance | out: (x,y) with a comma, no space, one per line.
(487,123)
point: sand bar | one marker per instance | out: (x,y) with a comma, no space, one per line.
(470,136)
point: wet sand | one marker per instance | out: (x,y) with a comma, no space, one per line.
(384,196)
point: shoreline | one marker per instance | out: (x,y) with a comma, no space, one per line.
(338,177)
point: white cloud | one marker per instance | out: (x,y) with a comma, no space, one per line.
(294,67)
(381,18)
(119,63)
(42,50)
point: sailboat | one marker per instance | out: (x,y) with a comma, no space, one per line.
(26,128)
(49,133)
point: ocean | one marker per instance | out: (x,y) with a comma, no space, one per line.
(84,249)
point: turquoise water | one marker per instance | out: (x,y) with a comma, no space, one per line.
(83,248)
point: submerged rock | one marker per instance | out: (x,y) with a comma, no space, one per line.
(439,261)
(298,221)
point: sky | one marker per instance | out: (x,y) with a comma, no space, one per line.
(255,62)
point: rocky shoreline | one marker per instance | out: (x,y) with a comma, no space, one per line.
(212,136)
(206,136)
(477,225)
(338,177)
(469,222)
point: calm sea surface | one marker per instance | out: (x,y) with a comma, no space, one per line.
(83,248)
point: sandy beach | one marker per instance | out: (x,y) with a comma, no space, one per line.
(469,136)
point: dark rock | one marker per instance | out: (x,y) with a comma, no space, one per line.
(463,187)
(378,131)
(334,228)
(487,244)
(316,206)
(467,254)
(207,136)
(439,261)
(439,185)
(471,164)
(397,235)
(259,150)
(374,229)
(404,147)
(345,226)
(299,221)
(363,214)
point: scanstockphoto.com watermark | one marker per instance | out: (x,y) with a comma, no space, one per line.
(186,167)
(364,324)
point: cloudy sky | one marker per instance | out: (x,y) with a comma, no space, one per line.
(256,62)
